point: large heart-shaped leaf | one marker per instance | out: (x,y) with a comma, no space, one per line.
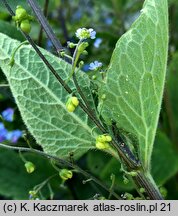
(136,76)
(41,100)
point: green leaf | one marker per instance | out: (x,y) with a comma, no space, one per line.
(41,100)
(171,97)
(15,182)
(136,76)
(164,159)
(15,3)
(10,30)
(103,166)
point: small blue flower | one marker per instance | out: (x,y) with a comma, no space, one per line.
(92,33)
(13,136)
(86,67)
(83,33)
(3,132)
(8,114)
(97,42)
(108,20)
(95,65)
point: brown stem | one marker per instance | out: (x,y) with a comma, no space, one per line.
(40,36)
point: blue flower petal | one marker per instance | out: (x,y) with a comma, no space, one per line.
(97,42)
(8,114)
(13,136)
(3,132)
(95,65)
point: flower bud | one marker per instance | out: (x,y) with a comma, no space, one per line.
(101,138)
(65,174)
(81,63)
(94,77)
(104,138)
(75,101)
(32,195)
(108,138)
(163,191)
(83,46)
(103,97)
(142,190)
(85,52)
(20,14)
(71,45)
(30,167)
(102,145)
(70,107)
(133,173)
(25,26)
(128,196)
(126,180)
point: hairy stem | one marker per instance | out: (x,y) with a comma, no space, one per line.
(61,162)
(146,181)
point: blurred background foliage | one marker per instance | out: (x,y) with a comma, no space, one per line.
(110,19)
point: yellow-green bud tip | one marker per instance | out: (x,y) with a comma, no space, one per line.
(65,174)
(30,167)
(102,145)
(75,101)
(70,107)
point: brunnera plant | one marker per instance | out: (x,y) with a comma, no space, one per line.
(55,97)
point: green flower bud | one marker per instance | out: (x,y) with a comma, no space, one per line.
(102,145)
(71,45)
(94,77)
(108,138)
(163,191)
(32,193)
(70,107)
(82,47)
(25,26)
(128,196)
(81,63)
(142,190)
(20,14)
(125,180)
(65,174)
(101,138)
(62,54)
(104,138)
(103,97)
(85,52)
(133,173)
(30,167)
(75,101)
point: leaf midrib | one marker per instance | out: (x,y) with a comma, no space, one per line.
(85,126)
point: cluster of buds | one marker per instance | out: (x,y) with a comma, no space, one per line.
(83,33)
(22,19)
(72,103)
(102,141)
